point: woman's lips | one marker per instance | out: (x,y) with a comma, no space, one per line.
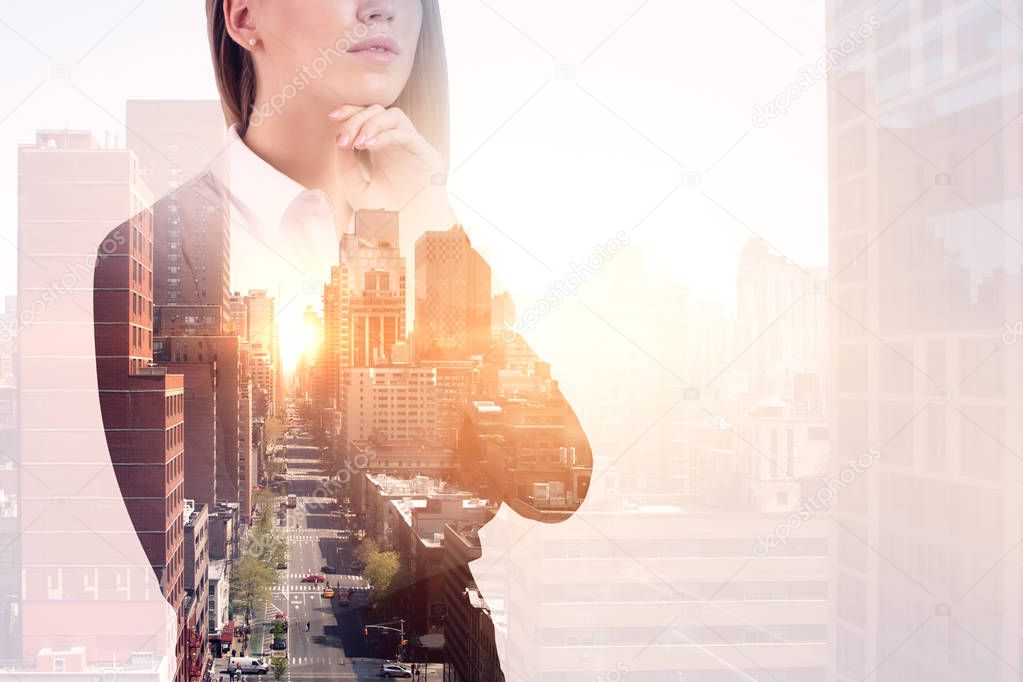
(378,49)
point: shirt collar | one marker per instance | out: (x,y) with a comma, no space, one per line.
(265,195)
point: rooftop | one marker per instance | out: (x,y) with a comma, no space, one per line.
(402,446)
(217,569)
(393,486)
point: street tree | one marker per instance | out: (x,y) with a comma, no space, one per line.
(265,543)
(381,569)
(366,548)
(280,667)
(387,578)
(273,428)
(251,582)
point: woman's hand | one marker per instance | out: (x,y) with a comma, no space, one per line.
(405,172)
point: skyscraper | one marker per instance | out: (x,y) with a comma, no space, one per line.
(371,277)
(261,334)
(926,287)
(363,307)
(216,458)
(780,318)
(239,314)
(309,377)
(453,300)
(327,394)
(97,333)
(174,140)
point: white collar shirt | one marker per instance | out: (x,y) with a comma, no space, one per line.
(283,235)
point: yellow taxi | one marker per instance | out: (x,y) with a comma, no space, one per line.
(328,593)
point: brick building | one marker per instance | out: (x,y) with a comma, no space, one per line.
(233,464)
(142,406)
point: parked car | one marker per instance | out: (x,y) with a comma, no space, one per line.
(314,579)
(394,670)
(282,565)
(279,644)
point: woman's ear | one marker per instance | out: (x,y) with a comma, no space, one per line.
(240,24)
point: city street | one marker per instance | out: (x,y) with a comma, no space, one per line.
(324,651)
(334,647)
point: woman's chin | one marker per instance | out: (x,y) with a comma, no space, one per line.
(372,89)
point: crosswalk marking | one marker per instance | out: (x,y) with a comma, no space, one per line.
(332,577)
(310,589)
(296,535)
(313,660)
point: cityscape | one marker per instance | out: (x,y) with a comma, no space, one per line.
(338,481)
(371,473)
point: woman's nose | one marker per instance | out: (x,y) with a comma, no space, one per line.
(376,10)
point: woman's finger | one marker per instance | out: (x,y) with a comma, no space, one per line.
(350,128)
(344,112)
(407,138)
(389,119)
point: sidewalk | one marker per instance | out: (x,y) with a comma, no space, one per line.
(237,644)
(257,642)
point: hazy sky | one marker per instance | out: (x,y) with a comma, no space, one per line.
(660,95)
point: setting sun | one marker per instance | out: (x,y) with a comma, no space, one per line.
(301,340)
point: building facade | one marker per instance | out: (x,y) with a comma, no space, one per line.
(925,230)
(389,403)
(453,300)
(221,356)
(371,290)
(174,140)
(197,655)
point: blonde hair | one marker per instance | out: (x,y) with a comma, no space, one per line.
(425,98)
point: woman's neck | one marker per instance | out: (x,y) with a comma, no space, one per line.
(300,142)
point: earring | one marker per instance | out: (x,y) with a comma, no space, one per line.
(252,42)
